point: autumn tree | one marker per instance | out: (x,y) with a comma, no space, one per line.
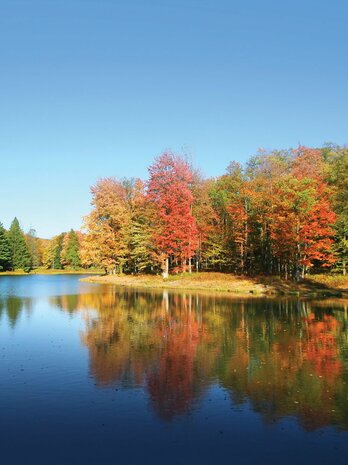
(339,180)
(52,254)
(142,256)
(284,211)
(262,173)
(33,247)
(302,216)
(316,232)
(239,210)
(229,242)
(169,188)
(107,225)
(206,220)
(217,246)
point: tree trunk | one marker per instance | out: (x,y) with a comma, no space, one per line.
(344,263)
(190,265)
(166,269)
(298,257)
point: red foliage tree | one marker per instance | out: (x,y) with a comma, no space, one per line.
(302,217)
(169,189)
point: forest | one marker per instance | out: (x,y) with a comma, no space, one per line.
(283,212)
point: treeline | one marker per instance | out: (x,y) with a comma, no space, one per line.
(19,251)
(284,212)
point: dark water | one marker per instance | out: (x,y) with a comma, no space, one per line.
(94,375)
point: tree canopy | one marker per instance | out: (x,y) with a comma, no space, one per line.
(283,212)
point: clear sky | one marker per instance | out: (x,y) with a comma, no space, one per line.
(92,88)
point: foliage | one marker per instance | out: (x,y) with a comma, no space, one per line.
(52,256)
(285,213)
(5,250)
(169,189)
(70,253)
(20,255)
(107,226)
(339,180)
(33,245)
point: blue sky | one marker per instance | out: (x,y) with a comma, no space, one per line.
(92,88)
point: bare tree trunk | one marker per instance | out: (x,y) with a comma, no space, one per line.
(298,257)
(344,263)
(190,265)
(166,269)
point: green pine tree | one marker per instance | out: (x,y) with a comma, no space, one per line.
(5,251)
(71,251)
(57,248)
(20,256)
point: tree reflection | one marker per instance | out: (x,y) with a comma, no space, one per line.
(283,357)
(13,306)
(171,381)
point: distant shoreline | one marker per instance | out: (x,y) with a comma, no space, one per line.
(48,272)
(240,286)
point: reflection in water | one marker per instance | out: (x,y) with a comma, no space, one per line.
(208,366)
(287,358)
(13,306)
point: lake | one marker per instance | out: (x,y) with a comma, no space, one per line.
(94,374)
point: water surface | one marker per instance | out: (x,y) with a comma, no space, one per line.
(92,374)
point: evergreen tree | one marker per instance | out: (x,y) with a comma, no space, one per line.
(71,250)
(19,250)
(5,251)
(57,247)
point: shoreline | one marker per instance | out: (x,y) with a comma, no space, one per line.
(48,272)
(238,286)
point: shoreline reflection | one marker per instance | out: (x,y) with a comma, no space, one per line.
(287,358)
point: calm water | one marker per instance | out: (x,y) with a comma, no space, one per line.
(97,375)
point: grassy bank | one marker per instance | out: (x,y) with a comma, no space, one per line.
(239,285)
(48,272)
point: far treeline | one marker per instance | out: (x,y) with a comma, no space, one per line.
(19,251)
(285,212)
